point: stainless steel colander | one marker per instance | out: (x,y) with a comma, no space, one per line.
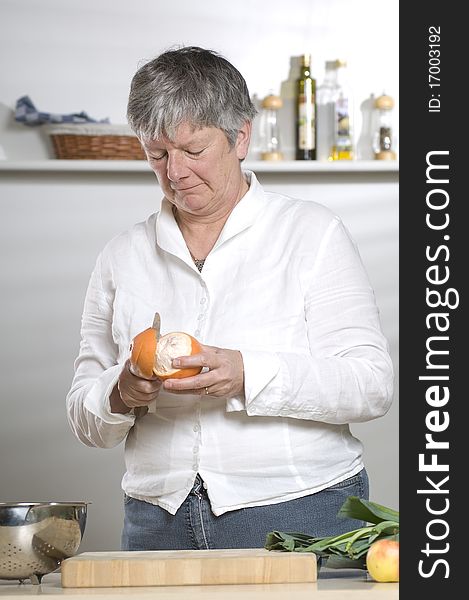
(36,536)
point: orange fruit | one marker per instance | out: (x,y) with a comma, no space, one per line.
(151,357)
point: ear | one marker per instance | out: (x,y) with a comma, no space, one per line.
(243,139)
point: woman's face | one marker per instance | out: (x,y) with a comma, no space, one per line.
(197,170)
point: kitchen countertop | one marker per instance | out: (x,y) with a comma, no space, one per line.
(332,584)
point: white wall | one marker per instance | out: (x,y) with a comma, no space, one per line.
(72,56)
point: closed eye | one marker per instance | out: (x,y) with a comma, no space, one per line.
(195,154)
(159,157)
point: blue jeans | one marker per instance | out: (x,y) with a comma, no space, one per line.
(195,527)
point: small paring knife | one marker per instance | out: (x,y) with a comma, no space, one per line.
(157,325)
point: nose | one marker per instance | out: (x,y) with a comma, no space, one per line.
(176,167)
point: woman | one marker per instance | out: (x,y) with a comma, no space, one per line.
(275,291)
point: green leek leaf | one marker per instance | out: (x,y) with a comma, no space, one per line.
(347,550)
(365,510)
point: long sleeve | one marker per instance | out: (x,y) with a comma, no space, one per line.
(96,371)
(284,285)
(347,374)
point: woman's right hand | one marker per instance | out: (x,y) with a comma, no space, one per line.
(132,391)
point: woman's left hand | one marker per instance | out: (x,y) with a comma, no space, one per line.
(224,378)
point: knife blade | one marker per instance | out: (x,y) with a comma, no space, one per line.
(157,325)
(141,411)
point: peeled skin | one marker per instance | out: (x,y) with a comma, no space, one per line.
(142,353)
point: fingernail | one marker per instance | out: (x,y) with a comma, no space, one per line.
(176,362)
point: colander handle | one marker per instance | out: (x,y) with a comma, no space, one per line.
(48,504)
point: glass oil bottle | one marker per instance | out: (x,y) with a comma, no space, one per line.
(306,112)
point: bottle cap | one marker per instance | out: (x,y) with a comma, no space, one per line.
(386,155)
(335,64)
(271,156)
(272,102)
(384,102)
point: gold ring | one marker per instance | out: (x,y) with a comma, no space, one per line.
(206,391)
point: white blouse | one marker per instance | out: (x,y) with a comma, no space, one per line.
(285,285)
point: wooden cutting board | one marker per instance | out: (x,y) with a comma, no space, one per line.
(187,567)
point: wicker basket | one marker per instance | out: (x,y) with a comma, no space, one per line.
(94,142)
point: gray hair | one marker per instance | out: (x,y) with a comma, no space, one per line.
(190,85)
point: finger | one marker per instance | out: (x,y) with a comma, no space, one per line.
(132,400)
(137,394)
(198,392)
(132,403)
(135,373)
(189,383)
(134,382)
(205,391)
(142,395)
(207,358)
(136,399)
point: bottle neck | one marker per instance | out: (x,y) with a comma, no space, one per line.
(330,78)
(342,79)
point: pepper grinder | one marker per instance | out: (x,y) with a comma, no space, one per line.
(269,128)
(384,139)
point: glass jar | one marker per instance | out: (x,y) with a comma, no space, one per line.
(270,141)
(384,140)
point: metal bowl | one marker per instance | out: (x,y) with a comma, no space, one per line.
(35,537)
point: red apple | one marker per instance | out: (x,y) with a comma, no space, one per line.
(382,560)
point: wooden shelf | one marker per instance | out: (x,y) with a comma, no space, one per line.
(141,166)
